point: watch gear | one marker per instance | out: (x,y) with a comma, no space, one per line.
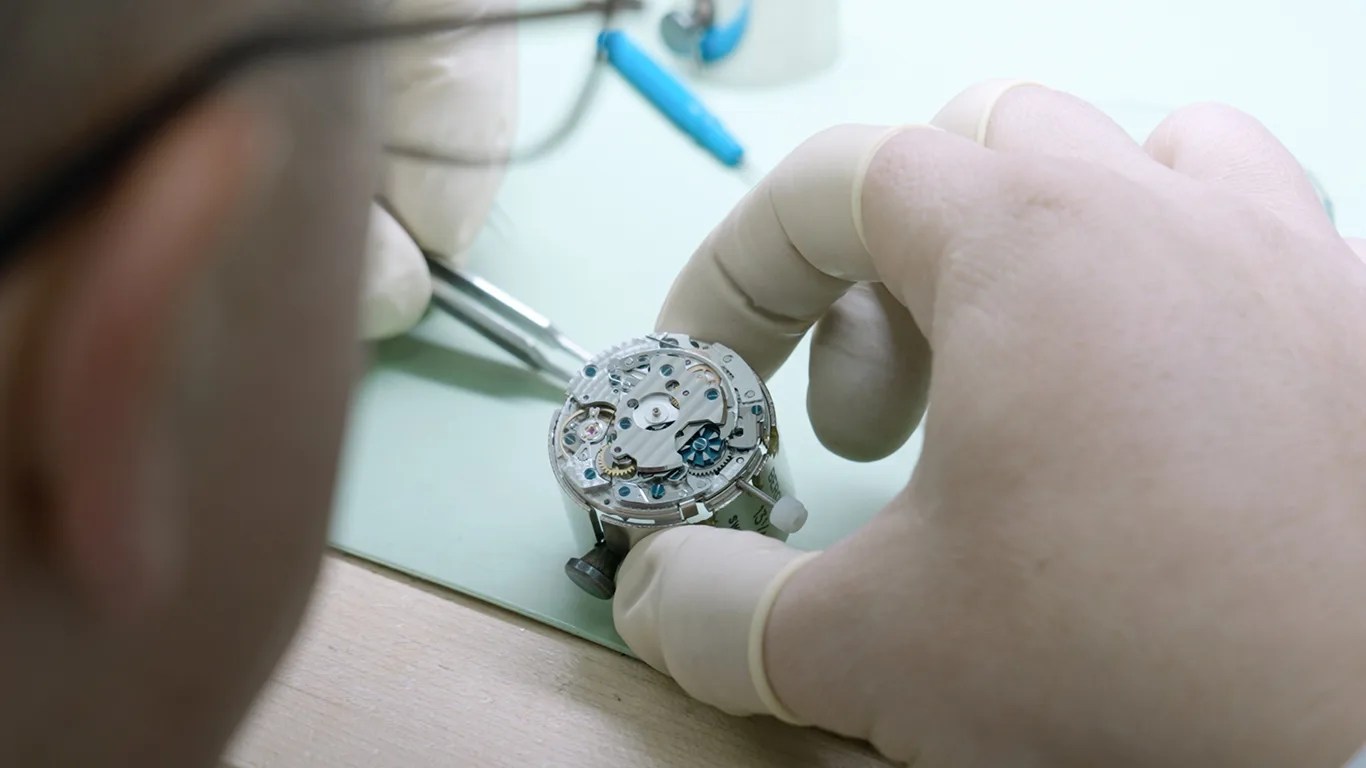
(704,450)
(609,468)
(706,471)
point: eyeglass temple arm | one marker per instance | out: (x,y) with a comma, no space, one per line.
(64,187)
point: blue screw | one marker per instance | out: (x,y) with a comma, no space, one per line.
(657,491)
(667,370)
(625,423)
(589,474)
(569,439)
(756,410)
(624,490)
(712,394)
(700,444)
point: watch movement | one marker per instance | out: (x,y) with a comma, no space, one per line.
(661,431)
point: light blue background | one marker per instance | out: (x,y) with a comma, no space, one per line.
(446,476)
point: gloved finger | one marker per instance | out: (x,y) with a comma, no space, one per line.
(396,285)
(1022,117)
(1232,151)
(455,93)
(796,243)
(867,349)
(686,603)
(751,626)
(838,609)
(869,375)
(1358,245)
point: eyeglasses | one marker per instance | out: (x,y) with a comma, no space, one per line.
(73,180)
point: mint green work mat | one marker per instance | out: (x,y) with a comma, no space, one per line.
(445,474)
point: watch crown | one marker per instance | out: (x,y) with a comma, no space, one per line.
(595,572)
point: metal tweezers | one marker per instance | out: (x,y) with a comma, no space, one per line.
(505,321)
(508,323)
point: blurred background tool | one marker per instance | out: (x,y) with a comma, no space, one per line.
(697,33)
(668,95)
(754,43)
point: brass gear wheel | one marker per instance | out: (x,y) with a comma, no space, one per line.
(607,469)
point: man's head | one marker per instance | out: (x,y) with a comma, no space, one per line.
(175,362)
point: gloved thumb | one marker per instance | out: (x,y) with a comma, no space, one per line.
(693,602)
(396,287)
(1358,245)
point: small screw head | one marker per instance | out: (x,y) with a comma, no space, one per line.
(624,423)
(712,394)
(590,371)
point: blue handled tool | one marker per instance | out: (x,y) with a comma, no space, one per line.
(670,97)
(720,41)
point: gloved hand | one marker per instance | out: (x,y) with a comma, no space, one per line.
(1137,531)
(456,91)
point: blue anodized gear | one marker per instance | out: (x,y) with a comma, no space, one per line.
(705,449)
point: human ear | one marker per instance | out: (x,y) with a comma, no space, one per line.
(124,269)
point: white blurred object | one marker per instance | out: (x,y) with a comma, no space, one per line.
(755,42)
(456,92)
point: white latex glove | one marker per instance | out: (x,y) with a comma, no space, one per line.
(449,91)
(1137,531)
